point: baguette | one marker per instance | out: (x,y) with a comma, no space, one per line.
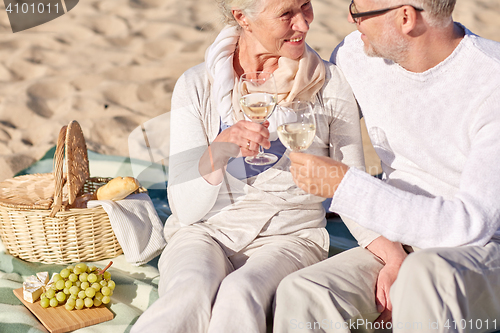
(117,188)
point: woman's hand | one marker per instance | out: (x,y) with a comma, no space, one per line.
(241,139)
(246,136)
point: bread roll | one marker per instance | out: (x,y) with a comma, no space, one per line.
(117,188)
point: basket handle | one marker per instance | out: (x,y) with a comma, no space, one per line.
(58,172)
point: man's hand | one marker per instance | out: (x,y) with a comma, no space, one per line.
(386,278)
(393,256)
(318,175)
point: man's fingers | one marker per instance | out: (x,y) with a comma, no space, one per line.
(385,316)
(293,171)
(388,306)
(383,304)
(303,181)
(302,185)
(299,158)
(300,172)
(318,175)
(380,299)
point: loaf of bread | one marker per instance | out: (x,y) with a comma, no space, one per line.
(117,188)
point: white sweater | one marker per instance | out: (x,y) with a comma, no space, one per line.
(236,212)
(437,134)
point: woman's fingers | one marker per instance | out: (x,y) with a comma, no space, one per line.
(250,149)
(256,134)
(247,136)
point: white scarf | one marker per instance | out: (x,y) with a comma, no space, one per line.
(219,65)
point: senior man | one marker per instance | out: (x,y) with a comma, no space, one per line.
(429,258)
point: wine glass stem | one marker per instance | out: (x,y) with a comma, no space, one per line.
(261,151)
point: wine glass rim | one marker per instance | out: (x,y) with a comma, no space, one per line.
(298,101)
(291,104)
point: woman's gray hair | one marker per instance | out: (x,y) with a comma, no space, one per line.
(248,7)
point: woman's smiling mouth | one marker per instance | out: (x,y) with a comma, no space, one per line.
(295,40)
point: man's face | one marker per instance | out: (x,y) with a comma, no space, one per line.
(379,33)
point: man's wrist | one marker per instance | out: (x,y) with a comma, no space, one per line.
(391,253)
(396,261)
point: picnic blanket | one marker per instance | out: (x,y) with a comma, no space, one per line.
(136,286)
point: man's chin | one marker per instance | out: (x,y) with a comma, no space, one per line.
(395,52)
(369,51)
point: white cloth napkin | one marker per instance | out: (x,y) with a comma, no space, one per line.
(136,225)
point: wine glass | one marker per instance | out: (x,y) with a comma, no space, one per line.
(297,129)
(258,99)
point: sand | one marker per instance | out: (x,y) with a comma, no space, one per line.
(111,65)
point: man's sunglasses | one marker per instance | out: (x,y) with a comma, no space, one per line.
(355,14)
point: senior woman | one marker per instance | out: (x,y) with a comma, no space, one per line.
(232,238)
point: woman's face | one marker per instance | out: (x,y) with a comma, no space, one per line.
(281,26)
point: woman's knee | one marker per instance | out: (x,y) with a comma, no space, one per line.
(196,270)
(248,289)
(238,285)
(289,286)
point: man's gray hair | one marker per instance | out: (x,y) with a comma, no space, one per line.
(438,12)
(248,7)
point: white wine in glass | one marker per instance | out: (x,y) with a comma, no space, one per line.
(258,106)
(258,101)
(297,136)
(297,129)
(298,125)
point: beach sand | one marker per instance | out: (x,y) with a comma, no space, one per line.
(111,65)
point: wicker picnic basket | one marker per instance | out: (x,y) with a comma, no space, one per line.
(38,218)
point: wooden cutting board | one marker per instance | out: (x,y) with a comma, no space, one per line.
(60,320)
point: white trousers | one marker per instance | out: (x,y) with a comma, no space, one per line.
(437,290)
(201,289)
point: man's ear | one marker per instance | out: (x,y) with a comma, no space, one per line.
(241,18)
(409,20)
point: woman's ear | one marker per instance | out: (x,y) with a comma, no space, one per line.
(241,18)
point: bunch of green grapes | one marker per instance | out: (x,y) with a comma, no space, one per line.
(79,286)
